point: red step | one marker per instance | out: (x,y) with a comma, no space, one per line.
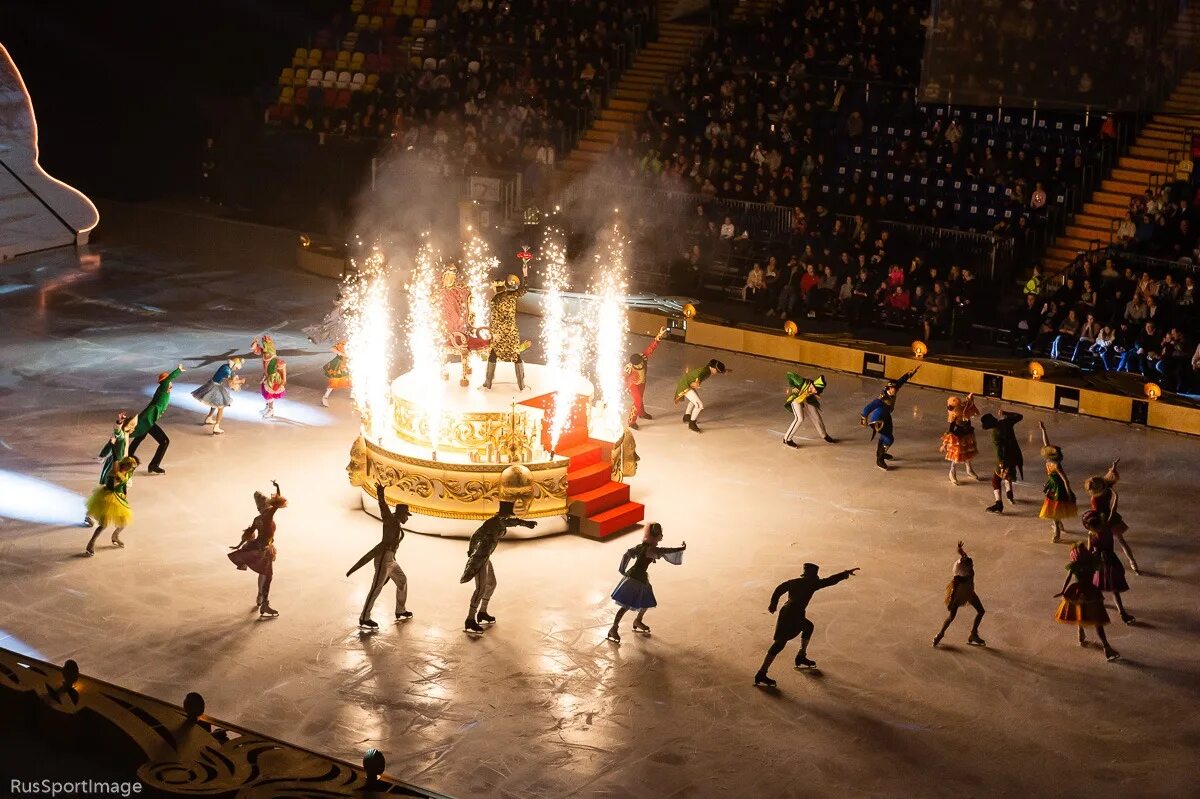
(588,478)
(582,455)
(594,502)
(604,524)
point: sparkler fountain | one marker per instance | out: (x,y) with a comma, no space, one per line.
(453,452)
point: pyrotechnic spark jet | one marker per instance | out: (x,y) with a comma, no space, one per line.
(567,377)
(425,339)
(554,281)
(369,343)
(608,330)
(479,264)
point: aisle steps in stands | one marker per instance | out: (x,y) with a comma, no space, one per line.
(745,9)
(1150,155)
(652,67)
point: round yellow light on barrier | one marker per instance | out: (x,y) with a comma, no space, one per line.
(1153,391)
(790,328)
(919,349)
(689,311)
(1036,370)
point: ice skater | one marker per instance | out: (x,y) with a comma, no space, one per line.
(1110,573)
(479,564)
(217,393)
(384,556)
(147,421)
(333,327)
(804,394)
(1001,480)
(506,336)
(114,450)
(256,550)
(1103,493)
(1082,603)
(634,592)
(273,384)
(337,372)
(109,504)
(635,380)
(1008,448)
(878,416)
(1059,504)
(793,620)
(958,442)
(961,591)
(688,388)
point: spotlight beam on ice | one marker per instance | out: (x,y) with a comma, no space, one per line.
(29,499)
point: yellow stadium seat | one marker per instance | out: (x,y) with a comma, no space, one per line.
(430,25)
(286,95)
(362,22)
(343,60)
(415,61)
(286,75)
(356,60)
(418,25)
(372,80)
(356,6)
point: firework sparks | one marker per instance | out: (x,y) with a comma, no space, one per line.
(608,327)
(369,342)
(479,265)
(425,339)
(563,345)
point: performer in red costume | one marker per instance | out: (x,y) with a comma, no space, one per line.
(462,337)
(635,380)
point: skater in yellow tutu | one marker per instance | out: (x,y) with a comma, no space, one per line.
(109,504)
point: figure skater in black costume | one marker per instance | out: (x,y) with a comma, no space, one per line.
(792,619)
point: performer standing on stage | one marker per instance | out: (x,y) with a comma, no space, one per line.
(1060,499)
(147,421)
(217,393)
(958,442)
(109,503)
(1103,491)
(1082,603)
(688,388)
(634,592)
(337,372)
(1008,449)
(273,385)
(961,591)
(506,337)
(635,380)
(384,556)
(1110,573)
(878,415)
(479,564)
(793,620)
(256,551)
(114,451)
(804,393)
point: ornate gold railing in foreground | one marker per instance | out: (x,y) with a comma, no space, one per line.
(184,751)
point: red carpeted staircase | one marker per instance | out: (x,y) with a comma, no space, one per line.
(600,505)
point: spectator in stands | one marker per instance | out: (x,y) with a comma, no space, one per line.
(771,286)
(1145,353)
(1068,335)
(789,291)
(1102,346)
(1089,332)
(755,284)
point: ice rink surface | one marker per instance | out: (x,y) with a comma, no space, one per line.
(542,705)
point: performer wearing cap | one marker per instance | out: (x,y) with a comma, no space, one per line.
(635,380)
(479,564)
(147,421)
(337,372)
(273,384)
(634,592)
(793,620)
(217,393)
(1008,448)
(384,556)
(506,337)
(878,415)
(961,591)
(804,393)
(688,387)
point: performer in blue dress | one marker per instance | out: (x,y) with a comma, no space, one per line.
(878,416)
(634,592)
(217,393)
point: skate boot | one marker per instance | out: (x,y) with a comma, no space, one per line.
(613,635)
(881,463)
(1009,495)
(937,639)
(971,473)
(634,425)
(118,543)
(325,402)
(638,627)
(1128,619)
(954,478)
(1112,655)
(368,624)
(975,640)
(686,418)
(695,428)
(217,430)
(829,439)
(403,615)
(471,628)
(89,553)
(484,618)
(267,612)
(88,521)
(644,415)
(995,507)
(791,443)
(762,679)
(802,662)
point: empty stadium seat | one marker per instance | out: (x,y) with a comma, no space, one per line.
(286,76)
(418,25)
(361,22)
(430,25)
(342,101)
(343,80)
(314,57)
(358,81)
(329,79)
(300,56)
(356,60)
(302,95)
(342,61)
(372,81)
(356,6)
(286,95)
(376,24)
(314,77)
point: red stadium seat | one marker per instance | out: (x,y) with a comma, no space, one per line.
(342,100)
(302,96)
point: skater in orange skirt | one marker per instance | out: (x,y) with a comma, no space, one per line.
(958,443)
(1082,602)
(337,372)
(1060,499)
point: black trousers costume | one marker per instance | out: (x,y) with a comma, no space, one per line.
(159,435)
(791,622)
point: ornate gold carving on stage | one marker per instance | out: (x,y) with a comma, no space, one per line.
(482,437)
(185,754)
